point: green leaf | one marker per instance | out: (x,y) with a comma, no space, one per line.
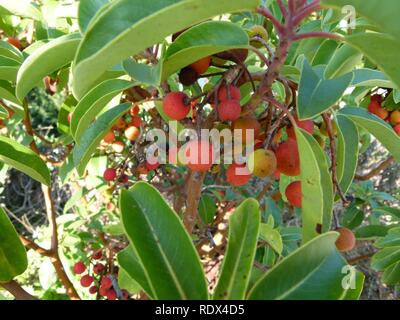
(93,103)
(94,134)
(207,208)
(87,10)
(22,8)
(352,217)
(3,112)
(244,225)
(312,272)
(394,212)
(385,258)
(391,275)
(13,259)
(344,60)
(316,185)
(140,25)
(325,52)
(8,68)
(355,293)
(24,160)
(347,152)
(129,262)
(9,51)
(173,269)
(381,49)
(316,94)
(125,282)
(7,92)
(45,60)
(370,78)
(272,237)
(375,126)
(371,232)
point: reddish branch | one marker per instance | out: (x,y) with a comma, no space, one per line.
(326,35)
(374,172)
(194,185)
(17,291)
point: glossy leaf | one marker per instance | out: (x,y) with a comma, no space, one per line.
(24,160)
(352,217)
(45,60)
(93,103)
(8,69)
(130,263)
(343,61)
(316,184)
(13,259)
(125,282)
(370,78)
(316,94)
(347,152)
(244,226)
(87,10)
(22,8)
(375,126)
(173,269)
(104,46)
(354,293)
(8,50)
(207,208)
(312,272)
(7,92)
(272,237)
(94,134)
(371,232)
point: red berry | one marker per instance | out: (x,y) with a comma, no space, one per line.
(307,125)
(98,268)
(110,174)
(238,174)
(15,42)
(151,166)
(79,268)
(287,155)
(93,290)
(293,194)
(86,281)
(103,291)
(234,93)
(198,155)
(97,255)
(229,110)
(106,283)
(136,121)
(111,294)
(134,111)
(123,179)
(397,129)
(176,105)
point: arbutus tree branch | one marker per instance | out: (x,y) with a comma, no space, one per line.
(376,171)
(17,291)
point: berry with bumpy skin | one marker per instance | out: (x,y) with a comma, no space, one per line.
(397,129)
(111,294)
(110,174)
(323,130)
(233,94)
(262,163)
(307,125)
(293,194)
(109,137)
(188,76)
(375,108)
(79,267)
(103,291)
(346,241)
(98,268)
(395,117)
(246,123)
(229,110)
(118,146)
(202,65)
(259,32)
(198,155)
(86,281)
(136,121)
(132,133)
(288,158)
(106,283)
(176,105)
(238,174)
(15,42)
(98,254)
(93,290)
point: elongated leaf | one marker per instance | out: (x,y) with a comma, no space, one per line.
(325,52)
(371,78)
(125,282)
(22,8)
(377,127)
(93,103)
(8,68)
(173,269)
(45,60)
(244,226)
(347,152)
(207,208)
(129,261)
(354,293)
(7,92)
(13,260)
(94,134)
(24,160)
(3,112)
(87,10)
(272,237)
(344,60)
(381,49)
(104,46)
(314,271)
(8,50)
(371,232)
(316,185)
(317,94)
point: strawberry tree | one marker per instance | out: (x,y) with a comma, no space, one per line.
(212,146)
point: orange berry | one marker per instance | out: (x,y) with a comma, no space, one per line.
(176,105)
(199,155)
(288,158)
(346,241)
(109,137)
(238,174)
(202,65)
(293,194)
(132,133)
